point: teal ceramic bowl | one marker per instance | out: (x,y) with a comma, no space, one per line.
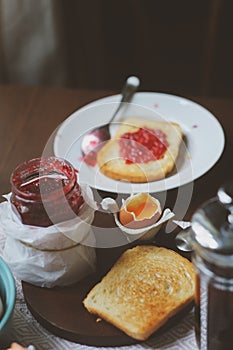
(8,294)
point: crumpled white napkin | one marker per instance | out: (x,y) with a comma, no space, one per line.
(51,256)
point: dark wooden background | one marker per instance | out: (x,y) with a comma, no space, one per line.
(176,46)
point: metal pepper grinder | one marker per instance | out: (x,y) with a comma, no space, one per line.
(211,240)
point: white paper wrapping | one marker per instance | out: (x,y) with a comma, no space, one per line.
(51,256)
(182,224)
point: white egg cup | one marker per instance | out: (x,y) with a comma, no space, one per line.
(145,233)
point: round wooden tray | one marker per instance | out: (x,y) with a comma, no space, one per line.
(61,311)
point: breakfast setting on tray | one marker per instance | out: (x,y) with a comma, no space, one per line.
(132,147)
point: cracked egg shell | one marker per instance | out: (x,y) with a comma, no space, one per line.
(140,210)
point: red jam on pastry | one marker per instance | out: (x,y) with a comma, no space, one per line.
(143,146)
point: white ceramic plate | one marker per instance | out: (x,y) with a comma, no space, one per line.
(203,138)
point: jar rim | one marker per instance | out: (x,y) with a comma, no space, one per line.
(24,169)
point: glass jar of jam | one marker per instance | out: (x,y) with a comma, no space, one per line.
(211,239)
(45,191)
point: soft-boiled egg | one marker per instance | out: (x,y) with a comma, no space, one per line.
(139,210)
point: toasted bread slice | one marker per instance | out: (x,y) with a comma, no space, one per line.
(114,166)
(145,287)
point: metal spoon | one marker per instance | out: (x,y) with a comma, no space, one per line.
(97,136)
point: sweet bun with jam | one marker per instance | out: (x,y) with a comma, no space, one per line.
(142,150)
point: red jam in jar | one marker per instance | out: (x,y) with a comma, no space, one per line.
(45,191)
(143,146)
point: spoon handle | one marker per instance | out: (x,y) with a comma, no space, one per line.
(131,85)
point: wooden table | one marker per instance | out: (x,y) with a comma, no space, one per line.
(29,115)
